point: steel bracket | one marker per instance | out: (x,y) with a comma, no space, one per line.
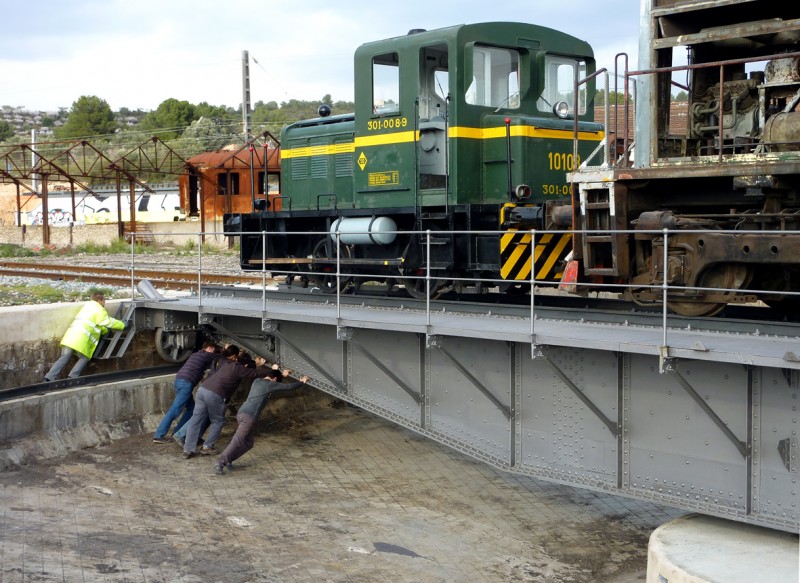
(787,449)
(346,334)
(269,325)
(470,377)
(671,368)
(433,341)
(334,381)
(613,427)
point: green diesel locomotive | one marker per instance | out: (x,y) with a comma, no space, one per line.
(459,145)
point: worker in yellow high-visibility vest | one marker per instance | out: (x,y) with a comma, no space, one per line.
(83,335)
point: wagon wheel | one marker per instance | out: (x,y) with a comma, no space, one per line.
(726,276)
(418,288)
(324,276)
(175,346)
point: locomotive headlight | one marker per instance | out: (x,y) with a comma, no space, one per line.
(523,192)
(561,109)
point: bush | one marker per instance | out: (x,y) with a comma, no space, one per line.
(9,250)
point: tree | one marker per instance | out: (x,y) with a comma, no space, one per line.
(614,97)
(681,96)
(170,118)
(6,130)
(90,116)
(207,134)
(203,109)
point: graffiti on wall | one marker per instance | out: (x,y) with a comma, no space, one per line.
(56,218)
(91,210)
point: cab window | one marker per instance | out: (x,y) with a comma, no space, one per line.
(434,82)
(385,84)
(495,78)
(559,83)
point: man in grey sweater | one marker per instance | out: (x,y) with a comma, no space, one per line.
(260,392)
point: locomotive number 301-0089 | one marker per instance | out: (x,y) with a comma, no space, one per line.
(387,123)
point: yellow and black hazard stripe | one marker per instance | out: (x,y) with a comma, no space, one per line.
(515,255)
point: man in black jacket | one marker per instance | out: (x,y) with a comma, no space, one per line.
(188,376)
(260,392)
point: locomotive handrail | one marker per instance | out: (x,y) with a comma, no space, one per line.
(625,101)
(283,197)
(329,195)
(578,83)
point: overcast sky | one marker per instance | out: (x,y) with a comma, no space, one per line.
(137,53)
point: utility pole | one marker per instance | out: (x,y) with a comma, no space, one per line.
(34,160)
(246,122)
(247,127)
(246,94)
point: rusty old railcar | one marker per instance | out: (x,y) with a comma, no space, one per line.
(727,189)
(230,181)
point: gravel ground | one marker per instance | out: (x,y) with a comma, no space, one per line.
(22,291)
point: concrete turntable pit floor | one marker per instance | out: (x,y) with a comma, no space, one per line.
(339,496)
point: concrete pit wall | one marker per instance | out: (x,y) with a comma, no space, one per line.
(51,425)
(30,338)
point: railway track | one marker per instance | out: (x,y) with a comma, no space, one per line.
(9,393)
(121,276)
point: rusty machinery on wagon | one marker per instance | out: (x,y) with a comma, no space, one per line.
(707,214)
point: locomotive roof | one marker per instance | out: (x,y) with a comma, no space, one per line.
(507,33)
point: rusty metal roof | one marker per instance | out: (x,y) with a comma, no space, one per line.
(237,158)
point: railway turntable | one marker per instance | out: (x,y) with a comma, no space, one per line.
(696,413)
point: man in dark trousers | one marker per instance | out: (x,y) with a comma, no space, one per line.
(260,392)
(187,378)
(212,397)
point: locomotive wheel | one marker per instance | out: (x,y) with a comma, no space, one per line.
(418,288)
(175,346)
(727,276)
(516,289)
(322,277)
